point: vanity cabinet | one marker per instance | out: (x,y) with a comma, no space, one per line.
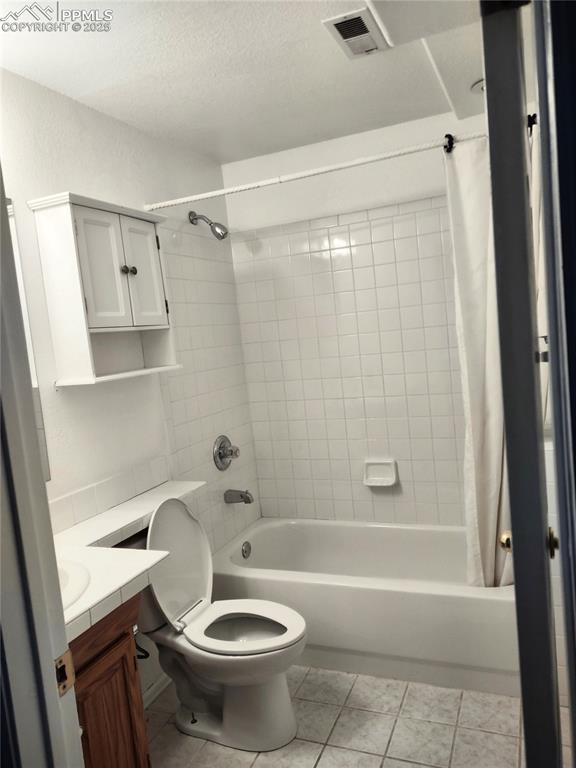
(105,290)
(110,708)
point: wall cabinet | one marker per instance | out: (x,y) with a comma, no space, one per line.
(110,708)
(120,268)
(105,289)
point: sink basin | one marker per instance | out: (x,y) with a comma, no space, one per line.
(74,580)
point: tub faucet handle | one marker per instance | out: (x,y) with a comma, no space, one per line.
(223,452)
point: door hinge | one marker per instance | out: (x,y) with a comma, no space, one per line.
(552,543)
(506,541)
(167,306)
(65,674)
(542,356)
(157,242)
(86,304)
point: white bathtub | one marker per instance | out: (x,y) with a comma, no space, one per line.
(380,599)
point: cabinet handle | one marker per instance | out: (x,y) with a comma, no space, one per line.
(133,271)
(124,269)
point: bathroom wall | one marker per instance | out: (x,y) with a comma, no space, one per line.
(350,351)
(208,397)
(395,180)
(110,441)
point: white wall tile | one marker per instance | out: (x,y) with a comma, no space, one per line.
(352,351)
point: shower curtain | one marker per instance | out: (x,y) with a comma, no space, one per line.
(485,475)
(539,269)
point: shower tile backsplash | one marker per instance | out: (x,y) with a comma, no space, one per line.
(208,396)
(350,353)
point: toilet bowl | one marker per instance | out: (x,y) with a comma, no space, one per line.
(228,659)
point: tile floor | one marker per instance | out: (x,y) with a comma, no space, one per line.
(356,721)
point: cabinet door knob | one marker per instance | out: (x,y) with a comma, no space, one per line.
(133,271)
(124,269)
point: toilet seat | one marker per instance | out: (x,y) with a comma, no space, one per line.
(262,626)
(182,589)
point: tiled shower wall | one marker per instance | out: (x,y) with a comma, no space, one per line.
(350,353)
(208,396)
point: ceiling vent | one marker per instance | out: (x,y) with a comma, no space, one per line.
(357,33)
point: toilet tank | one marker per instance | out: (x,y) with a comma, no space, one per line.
(150,616)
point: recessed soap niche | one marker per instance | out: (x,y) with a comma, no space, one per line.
(380,473)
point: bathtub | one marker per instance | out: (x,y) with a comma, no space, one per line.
(387,600)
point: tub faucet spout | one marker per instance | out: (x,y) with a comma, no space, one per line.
(237,497)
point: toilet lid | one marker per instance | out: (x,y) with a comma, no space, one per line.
(184,578)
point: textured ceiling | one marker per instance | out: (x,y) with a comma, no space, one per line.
(238,79)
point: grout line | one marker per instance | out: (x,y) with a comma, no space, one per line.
(350,692)
(334,725)
(453,745)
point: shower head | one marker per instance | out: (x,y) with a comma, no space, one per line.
(219,231)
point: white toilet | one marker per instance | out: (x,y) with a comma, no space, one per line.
(228,659)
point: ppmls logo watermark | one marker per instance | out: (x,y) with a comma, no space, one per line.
(35,17)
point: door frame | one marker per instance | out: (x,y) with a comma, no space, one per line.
(507,122)
(556,62)
(44,725)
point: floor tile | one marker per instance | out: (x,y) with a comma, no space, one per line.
(315,720)
(486,712)
(334,757)
(362,730)
(428,702)
(476,749)
(377,694)
(326,686)
(172,749)
(297,754)
(216,756)
(295,675)
(155,721)
(389,762)
(166,702)
(422,742)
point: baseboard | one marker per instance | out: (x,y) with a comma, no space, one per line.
(151,694)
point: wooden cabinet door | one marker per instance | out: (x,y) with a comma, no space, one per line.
(145,277)
(103,268)
(110,710)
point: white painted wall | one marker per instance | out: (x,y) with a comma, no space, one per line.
(391,181)
(50,144)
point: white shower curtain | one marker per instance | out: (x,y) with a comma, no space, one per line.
(539,268)
(485,475)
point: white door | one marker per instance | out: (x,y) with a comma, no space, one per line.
(39,727)
(145,273)
(104,272)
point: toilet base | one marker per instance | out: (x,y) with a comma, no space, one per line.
(257,718)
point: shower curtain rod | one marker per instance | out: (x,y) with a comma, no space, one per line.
(447,143)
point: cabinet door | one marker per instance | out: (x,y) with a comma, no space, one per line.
(145,277)
(110,710)
(101,255)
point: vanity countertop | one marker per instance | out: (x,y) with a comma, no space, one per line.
(114,575)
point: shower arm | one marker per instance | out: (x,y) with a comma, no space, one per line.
(194,219)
